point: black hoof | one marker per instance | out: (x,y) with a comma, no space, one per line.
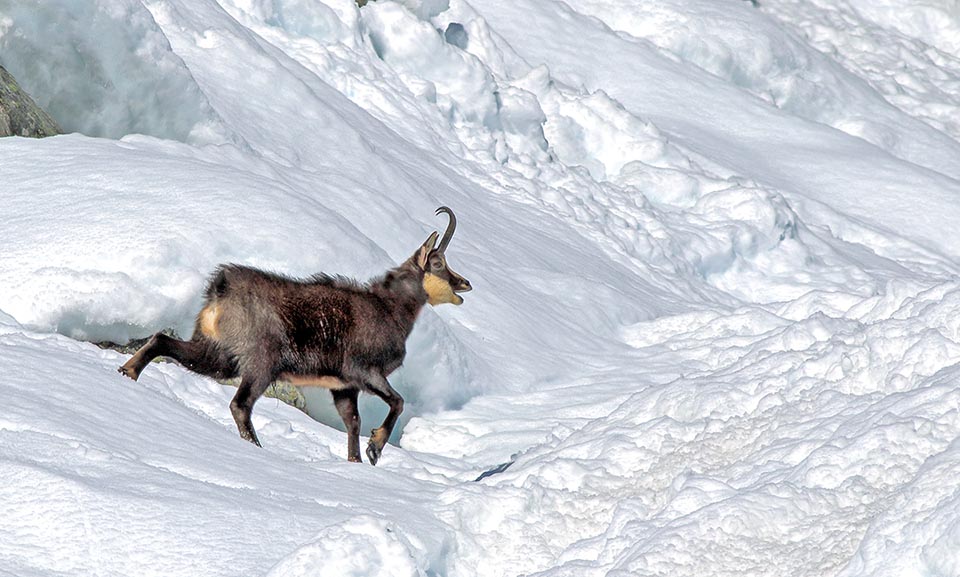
(128,372)
(252,437)
(373,453)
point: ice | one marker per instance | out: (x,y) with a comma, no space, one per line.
(714,329)
(104,68)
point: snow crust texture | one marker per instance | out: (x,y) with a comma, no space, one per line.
(716,320)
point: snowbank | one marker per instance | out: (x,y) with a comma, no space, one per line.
(907,51)
(104,68)
(711,334)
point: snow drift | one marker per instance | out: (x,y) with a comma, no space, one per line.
(713,330)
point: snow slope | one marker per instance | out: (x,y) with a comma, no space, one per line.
(714,327)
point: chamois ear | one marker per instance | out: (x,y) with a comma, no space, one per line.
(422,257)
(423,254)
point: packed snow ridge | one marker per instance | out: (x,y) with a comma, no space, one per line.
(715,325)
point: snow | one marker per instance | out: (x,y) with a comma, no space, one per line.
(106,69)
(907,51)
(101,477)
(714,326)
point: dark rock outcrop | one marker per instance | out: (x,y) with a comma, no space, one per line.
(19,114)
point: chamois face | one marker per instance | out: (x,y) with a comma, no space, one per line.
(440,282)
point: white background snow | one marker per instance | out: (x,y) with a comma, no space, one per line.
(716,320)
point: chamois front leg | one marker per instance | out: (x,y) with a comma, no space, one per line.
(346,402)
(378,437)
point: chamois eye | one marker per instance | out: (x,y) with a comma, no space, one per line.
(437,265)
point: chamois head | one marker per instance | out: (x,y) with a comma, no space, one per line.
(439,280)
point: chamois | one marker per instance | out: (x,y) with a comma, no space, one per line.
(325,331)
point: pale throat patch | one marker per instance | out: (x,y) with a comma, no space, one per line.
(439,291)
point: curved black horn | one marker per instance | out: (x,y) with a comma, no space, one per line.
(450,228)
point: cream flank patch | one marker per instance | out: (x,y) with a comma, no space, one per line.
(326,382)
(439,291)
(209,319)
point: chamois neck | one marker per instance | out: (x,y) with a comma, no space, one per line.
(402,291)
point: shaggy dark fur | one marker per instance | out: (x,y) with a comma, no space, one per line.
(326,331)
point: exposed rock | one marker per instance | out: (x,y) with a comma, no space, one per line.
(19,115)
(282,391)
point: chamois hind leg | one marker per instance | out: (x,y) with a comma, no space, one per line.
(252,386)
(379,386)
(346,402)
(200,355)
